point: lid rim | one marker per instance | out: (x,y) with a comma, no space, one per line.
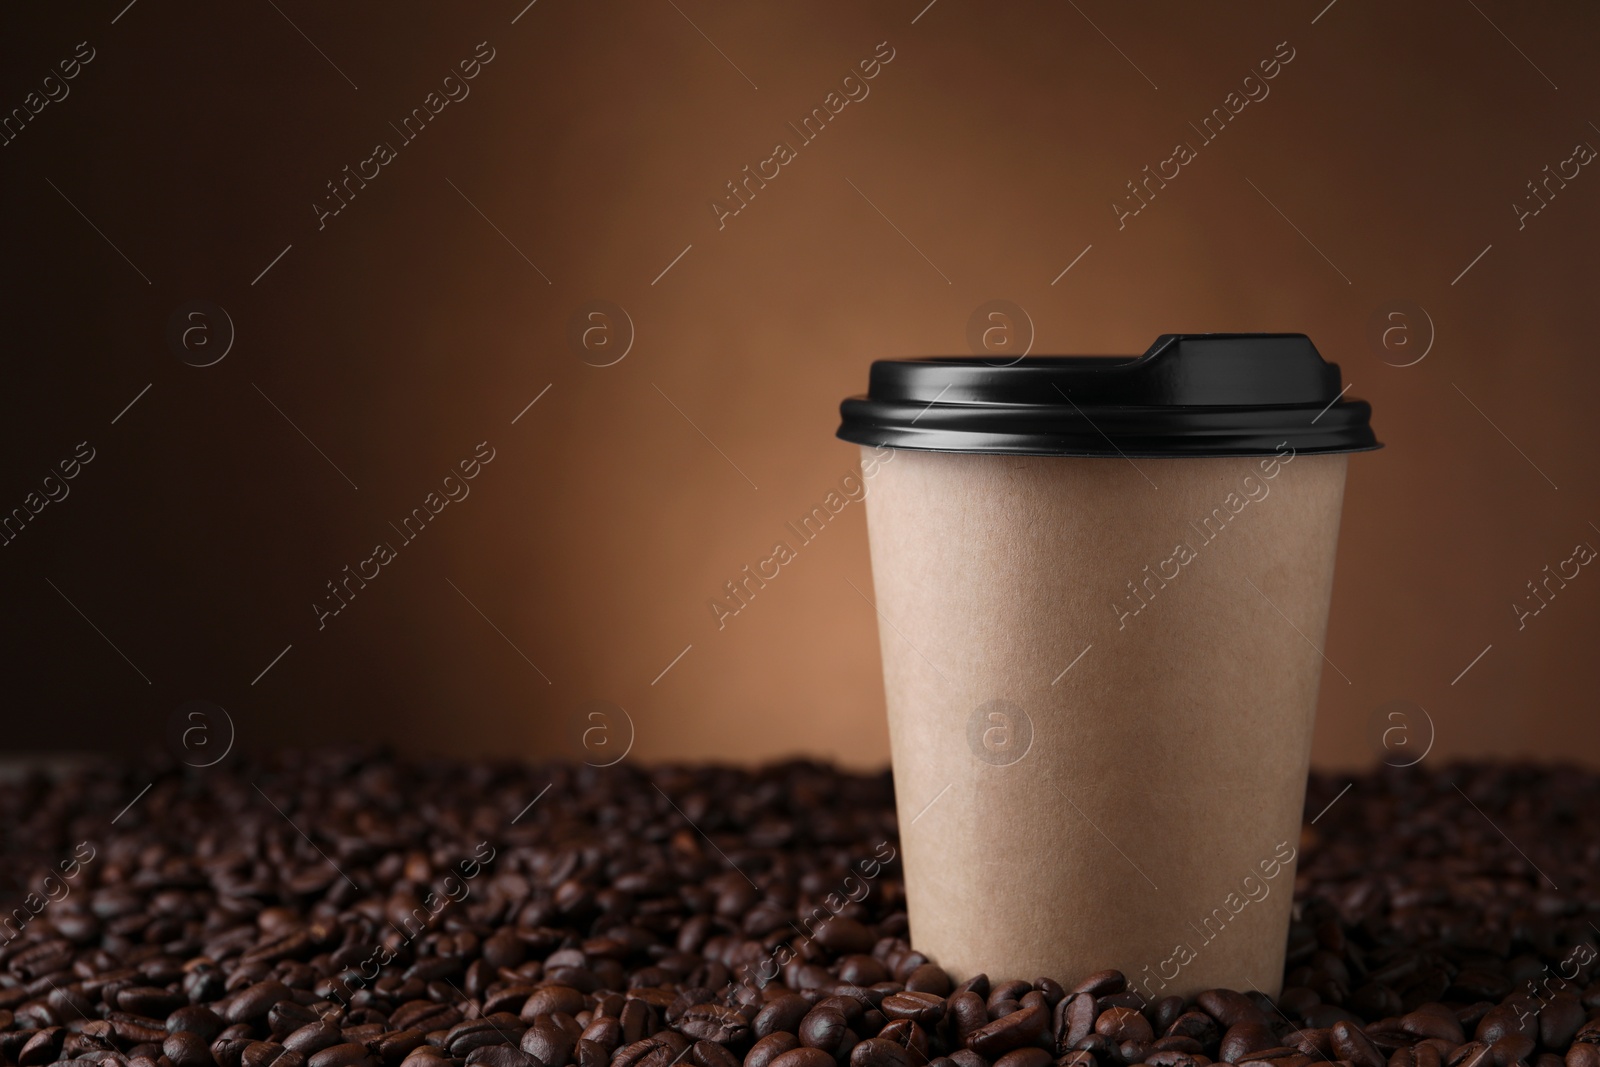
(1188,395)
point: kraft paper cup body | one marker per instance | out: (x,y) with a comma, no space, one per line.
(1101,676)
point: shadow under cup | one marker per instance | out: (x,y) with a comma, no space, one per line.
(1104,587)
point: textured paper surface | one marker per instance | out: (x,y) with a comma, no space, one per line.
(1127,812)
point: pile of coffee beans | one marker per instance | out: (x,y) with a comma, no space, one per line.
(347,909)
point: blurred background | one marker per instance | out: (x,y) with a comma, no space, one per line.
(279,276)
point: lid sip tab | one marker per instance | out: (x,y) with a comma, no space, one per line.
(1212,394)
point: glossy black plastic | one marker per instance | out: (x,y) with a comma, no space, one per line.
(1218,394)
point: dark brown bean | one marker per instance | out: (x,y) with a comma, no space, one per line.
(349,1054)
(1198,1025)
(1229,1008)
(1100,983)
(1025,1057)
(252,1004)
(967,1014)
(550,999)
(1013,1031)
(500,1056)
(195,1019)
(395,1045)
(711,1054)
(1559,1020)
(268,1054)
(909,1035)
(826,1029)
(845,936)
(1353,1045)
(553,1046)
(877,1052)
(929,978)
(1125,1024)
(1158,1058)
(1243,1039)
(187,1049)
(770,1047)
(803,1057)
(924,1008)
(782,1013)
(716,1023)
(313,1038)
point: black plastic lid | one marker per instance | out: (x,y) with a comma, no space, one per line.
(1208,394)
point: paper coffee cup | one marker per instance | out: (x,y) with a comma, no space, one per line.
(1103,587)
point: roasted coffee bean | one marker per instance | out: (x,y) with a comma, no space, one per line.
(195,1019)
(1100,983)
(845,936)
(967,1014)
(424,1015)
(717,1023)
(477,1033)
(1229,1008)
(803,1057)
(863,970)
(1012,990)
(1073,1020)
(1165,1012)
(910,1036)
(252,1004)
(781,1013)
(1177,1044)
(149,1000)
(133,1030)
(287,1016)
(1013,1031)
(850,1007)
(1243,1039)
(1126,1024)
(268,1054)
(635,1021)
(1317,1043)
(500,1056)
(313,1038)
(42,1047)
(711,1054)
(770,1047)
(965,1057)
(1433,1020)
(395,1045)
(826,1029)
(554,1047)
(226,1051)
(924,1008)
(1511,1048)
(877,1052)
(1198,1025)
(978,983)
(1157,1058)
(1472,1054)
(549,999)
(185,1048)
(426,1056)
(1025,1057)
(1353,1045)
(349,1054)
(1103,1049)
(929,978)
(1515,1016)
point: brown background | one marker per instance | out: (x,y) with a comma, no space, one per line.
(408,330)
